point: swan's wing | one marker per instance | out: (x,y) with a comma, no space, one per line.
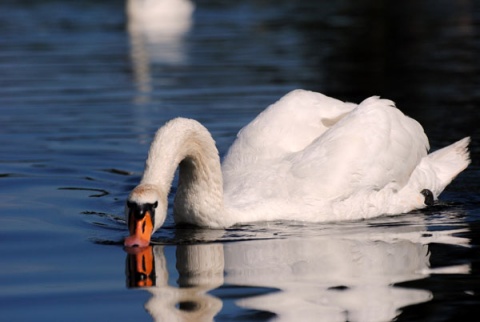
(374,146)
(287,126)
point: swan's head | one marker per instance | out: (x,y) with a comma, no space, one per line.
(145,212)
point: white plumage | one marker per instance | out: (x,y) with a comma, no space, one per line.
(308,157)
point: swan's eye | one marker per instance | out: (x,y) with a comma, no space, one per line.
(130,204)
(155,205)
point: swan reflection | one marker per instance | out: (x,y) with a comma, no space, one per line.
(334,277)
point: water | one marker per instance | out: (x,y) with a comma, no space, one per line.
(82,90)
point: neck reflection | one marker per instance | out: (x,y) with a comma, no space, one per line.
(200,269)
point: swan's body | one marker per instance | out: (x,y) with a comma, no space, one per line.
(307,157)
(159,18)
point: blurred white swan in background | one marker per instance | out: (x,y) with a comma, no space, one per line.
(339,275)
(157,29)
(308,157)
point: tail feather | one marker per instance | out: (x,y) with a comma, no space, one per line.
(448,162)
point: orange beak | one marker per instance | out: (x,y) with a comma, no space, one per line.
(140,230)
(140,267)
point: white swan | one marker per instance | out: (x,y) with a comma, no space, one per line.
(157,30)
(307,157)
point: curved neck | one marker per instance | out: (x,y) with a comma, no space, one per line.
(186,144)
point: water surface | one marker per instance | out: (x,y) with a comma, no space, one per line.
(82,90)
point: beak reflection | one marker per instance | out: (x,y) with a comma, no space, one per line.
(140,267)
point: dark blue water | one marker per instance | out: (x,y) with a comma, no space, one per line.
(82,90)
